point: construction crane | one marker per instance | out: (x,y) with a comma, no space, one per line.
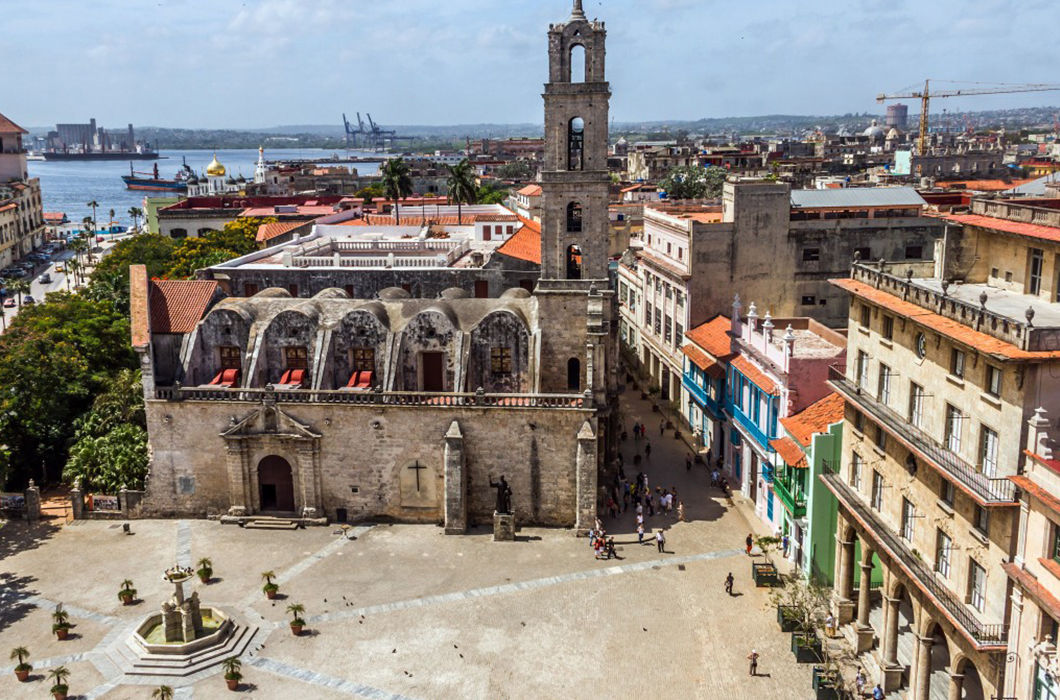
(371,135)
(926,96)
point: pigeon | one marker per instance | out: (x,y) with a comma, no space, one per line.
(393,651)
(455,646)
(644,628)
(461,656)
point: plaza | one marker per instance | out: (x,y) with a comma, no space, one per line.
(403,611)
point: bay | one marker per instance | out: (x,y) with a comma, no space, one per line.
(67,186)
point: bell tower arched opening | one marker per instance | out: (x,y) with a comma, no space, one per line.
(576,144)
(578,63)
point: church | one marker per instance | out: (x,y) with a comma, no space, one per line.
(310,403)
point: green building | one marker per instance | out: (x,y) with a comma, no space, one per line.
(151,207)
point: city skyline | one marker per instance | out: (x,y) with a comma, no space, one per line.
(254,65)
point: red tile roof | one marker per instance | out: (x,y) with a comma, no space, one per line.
(702,360)
(266,232)
(954,330)
(525,244)
(530,191)
(982,185)
(496,217)
(302,210)
(1018,228)
(54,217)
(9,127)
(790,452)
(755,375)
(178,305)
(815,418)
(413,220)
(713,336)
(8,207)
(1030,583)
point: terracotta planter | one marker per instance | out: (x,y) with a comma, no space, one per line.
(296,629)
(271,595)
(59,695)
(127,599)
(22,675)
(62,632)
(204,578)
(233,683)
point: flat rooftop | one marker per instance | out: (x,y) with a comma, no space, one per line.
(1002,302)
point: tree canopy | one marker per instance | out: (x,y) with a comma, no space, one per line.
(693,182)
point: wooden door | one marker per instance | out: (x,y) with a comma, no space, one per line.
(433,366)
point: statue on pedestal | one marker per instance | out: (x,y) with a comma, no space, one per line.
(504,496)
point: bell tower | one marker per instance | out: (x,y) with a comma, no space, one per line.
(575,180)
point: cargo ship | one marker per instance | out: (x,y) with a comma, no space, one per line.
(153,183)
(67,155)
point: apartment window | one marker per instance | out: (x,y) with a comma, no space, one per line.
(914,252)
(811,254)
(658,321)
(231,357)
(865,315)
(859,421)
(957,363)
(888,328)
(679,333)
(679,298)
(976,585)
(883,384)
(865,253)
(809,300)
(988,451)
(669,291)
(954,421)
(668,329)
(982,520)
(877,490)
(946,493)
(881,438)
(908,515)
(364,359)
(647,313)
(993,380)
(1034,275)
(863,369)
(994,272)
(855,470)
(943,547)
(916,404)
(501,361)
(669,248)
(296,358)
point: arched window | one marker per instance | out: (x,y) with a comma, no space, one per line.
(577,63)
(574,262)
(575,143)
(574,374)
(574,217)
(178,233)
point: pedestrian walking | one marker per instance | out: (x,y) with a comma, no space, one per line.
(612,507)
(750,541)
(640,533)
(640,509)
(688,463)
(729,580)
(651,505)
(714,477)
(640,519)
(660,541)
(753,658)
(647,450)
(636,431)
(785,543)
(680,511)
(829,625)
(860,681)
(662,427)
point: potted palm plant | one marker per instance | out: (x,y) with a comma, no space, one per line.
(22,668)
(269,588)
(205,570)
(127,592)
(59,675)
(163,692)
(231,668)
(60,623)
(297,623)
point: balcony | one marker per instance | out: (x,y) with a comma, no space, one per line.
(985,490)
(791,496)
(699,395)
(983,637)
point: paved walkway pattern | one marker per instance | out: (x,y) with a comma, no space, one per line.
(404,612)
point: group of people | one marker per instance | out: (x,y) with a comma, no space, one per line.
(603,546)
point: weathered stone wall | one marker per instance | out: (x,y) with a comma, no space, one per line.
(501,329)
(371,448)
(428,331)
(363,328)
(224,326)
(288,329)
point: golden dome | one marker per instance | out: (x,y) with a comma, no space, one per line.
(215,169)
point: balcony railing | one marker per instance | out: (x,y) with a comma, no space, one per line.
(981,635)
(794,501)
(375,398)
(986,490)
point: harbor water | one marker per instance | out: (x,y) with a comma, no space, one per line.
(67,186)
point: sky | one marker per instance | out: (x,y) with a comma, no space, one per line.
(260,63)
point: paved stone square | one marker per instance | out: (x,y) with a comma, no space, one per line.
(403,611)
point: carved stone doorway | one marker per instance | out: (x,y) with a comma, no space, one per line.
(275,484)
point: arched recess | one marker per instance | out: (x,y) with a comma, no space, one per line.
(939,680)
(574,262)
(574,217)
(576,144)
(574,374)
(358,349)
(499,360)
(578,63)
(429,352)
(970,681)
(221,343)
(288,349)
(275,485)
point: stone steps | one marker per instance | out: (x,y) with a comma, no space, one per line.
(137,663)
(271,523)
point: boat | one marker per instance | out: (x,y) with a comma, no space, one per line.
(153,183)
(100,155)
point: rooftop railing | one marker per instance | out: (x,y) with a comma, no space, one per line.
(982,635)
(985,489)
(374,398)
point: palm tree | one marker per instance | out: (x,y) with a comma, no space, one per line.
(461,184)
(397,183)
(20,653)
(296,610)
(163,692)
(59,676)
(269,576)
(73,270)
(93,204)
(135,213)
(111,212)
(19,287)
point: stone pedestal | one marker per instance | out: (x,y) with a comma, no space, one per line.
(892,678)
(844,611)
(503,527)
(866,636)
(32,496)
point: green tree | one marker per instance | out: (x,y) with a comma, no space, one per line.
(397,183)
(693,182)
(19,287)
(111,223)
(516,170)
(461,186)
(238,238)
(150,249)
(369,193)
(490,194)
(135,213)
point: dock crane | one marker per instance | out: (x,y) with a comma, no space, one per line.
(927,94)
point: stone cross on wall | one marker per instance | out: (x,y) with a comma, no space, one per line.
(417,467)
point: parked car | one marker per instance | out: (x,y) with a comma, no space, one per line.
(59,268)
(28,300)
(9,303)
(46,278)
(15,272)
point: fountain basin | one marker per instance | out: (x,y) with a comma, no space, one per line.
(216,628)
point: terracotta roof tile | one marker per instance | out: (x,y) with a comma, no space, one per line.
(790,452)
(178,305)
(1030,583)
(815,418)
(9,127)
(266,232)
(418,220)
(713,336)
(525,244)
(982,185)
(1018,228)
(530,191)
(954,330)
(755,375)
(702,360)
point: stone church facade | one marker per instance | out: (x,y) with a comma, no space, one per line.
(394,407)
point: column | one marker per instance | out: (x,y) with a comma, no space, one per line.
(455,482)
(890,635)
(844,581)
(864,591)
(237,503)
(307,480)
(956,685)
(922,689)
(585,468)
